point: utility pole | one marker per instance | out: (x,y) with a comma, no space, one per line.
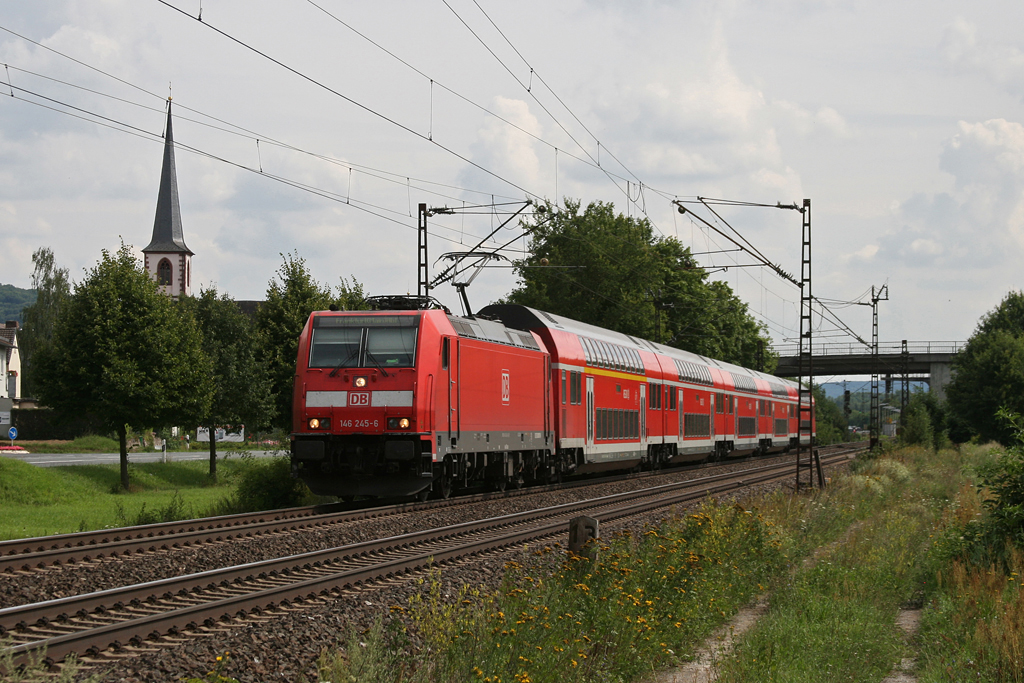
(423,277)
(882,294)
(905,388)
(805,400)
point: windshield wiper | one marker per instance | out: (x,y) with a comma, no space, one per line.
(377,363)
(342,363)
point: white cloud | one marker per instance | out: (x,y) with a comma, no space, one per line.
(1002,64)
(980,224)
(509,152)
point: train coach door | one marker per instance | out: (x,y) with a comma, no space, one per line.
(681,413)
(711,416)
(643,416)
(590,410)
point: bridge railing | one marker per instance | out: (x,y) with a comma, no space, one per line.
(884,348)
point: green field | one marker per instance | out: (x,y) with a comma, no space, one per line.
(39,501)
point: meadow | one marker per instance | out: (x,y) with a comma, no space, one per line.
(40,501)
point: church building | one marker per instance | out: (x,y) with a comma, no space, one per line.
(167,259)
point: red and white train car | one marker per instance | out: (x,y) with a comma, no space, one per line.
(409,402)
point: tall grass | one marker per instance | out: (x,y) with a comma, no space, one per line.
(839,564)
(973,628)
(641,604)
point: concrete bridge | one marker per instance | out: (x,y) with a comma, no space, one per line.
(926,361)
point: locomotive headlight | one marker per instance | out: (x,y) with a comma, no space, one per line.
(398,423)
(359,382)
(314,423)
(403,423)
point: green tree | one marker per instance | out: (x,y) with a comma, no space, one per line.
(53,289)
(125,355)
(242,390)
(828,418)
(610,270)
(291,297)
(1003,481)
(916,423)
(989,372)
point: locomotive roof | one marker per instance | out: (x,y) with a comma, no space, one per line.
(526,318)
(492,330)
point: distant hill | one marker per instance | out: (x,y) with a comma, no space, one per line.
(12,300)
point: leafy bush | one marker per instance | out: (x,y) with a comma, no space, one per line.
(1004,479)
(267,484)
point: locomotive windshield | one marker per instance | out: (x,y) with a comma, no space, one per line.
(362,341)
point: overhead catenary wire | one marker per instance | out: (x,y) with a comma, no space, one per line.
(746,246)
(241,131)
(353,101)
(123,127)
(588,160)
(528,89)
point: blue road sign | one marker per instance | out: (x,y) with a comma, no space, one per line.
(12,433)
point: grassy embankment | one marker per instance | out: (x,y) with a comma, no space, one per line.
(838,566)
(38,501)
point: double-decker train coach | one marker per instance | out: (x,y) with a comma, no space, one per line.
(624,402)
(392,403)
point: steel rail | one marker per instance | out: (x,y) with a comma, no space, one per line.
(40,552)
(172,621)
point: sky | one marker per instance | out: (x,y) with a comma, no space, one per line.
(316,128)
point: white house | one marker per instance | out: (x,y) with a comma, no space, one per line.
(10,361)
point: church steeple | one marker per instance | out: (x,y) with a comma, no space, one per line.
(168,260)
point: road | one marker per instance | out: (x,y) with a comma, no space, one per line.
(59,459)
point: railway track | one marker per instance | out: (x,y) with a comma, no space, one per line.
(38,553)
(93,623)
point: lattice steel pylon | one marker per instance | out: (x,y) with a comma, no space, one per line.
(805,401)
(875,425)
(904,382)
(422,276)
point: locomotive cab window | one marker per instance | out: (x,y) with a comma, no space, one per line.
(363,341)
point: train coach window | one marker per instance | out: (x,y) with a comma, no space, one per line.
(672,395)
(563,387)
(720,403)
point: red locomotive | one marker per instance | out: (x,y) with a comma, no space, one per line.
(393,403)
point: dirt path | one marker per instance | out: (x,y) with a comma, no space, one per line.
(909,621)
(718,646)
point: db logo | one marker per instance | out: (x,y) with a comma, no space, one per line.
(506,390)
(359,398)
